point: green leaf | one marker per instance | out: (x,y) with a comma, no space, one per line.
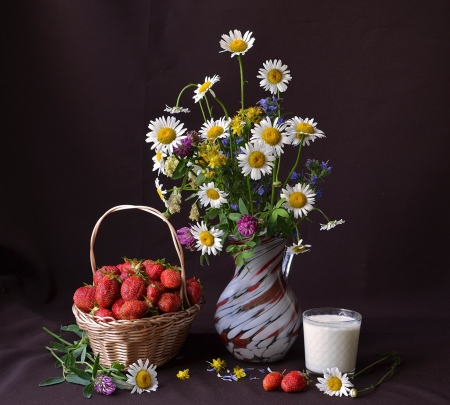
(80,373)
(201,179)
(282,213)
(284,227)
(180,170)
(51,381)
(95,366)
(69,360)
(280,201)
(235,216)
(121,384)
(78,351)
(83,354)
(87,392)
(59,347)
(73,328)
(211,214)
(117,366)
(242,208)
(191,197)
(74,379)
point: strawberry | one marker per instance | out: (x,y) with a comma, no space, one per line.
(154,269)
(116,307)
(153,293)
(133,288)
(169,302)
(295,381)
(129,268)
(104,313)
(194,292)
(171,278)
(107,291)
(133,309)
(272,381)
(84,298)
(105,271)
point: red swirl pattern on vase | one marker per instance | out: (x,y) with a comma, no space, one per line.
(257,315)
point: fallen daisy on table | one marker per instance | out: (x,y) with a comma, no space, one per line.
(142,377)
(183,374)
(334,382)
(331,225)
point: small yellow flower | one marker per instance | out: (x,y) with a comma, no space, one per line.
(254,114)
(183,374)
(237,125)
(239,372)
(218,364)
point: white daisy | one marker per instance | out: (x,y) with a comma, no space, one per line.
(158,162)
(274,75)
(236,43)
(208,240)
(271,134)
(166,133)
(256,159)
(142,377)
(202,89)
(209,194)
(334,382)
(160,191)
(330,225)
(295,249)
(215,129)
(176,109)
(297,127)
(299,199)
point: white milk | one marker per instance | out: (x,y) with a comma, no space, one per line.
(330,341)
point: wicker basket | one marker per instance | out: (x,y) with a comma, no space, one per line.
(158,338)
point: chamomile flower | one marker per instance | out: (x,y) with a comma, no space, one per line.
(166,133)
(274,75)
(236,43)
(299,199)
(160,191)
(202,89)
(330,225)
(270,134)
(295,249)
(297,127)
(158,162)
(256,159)
(142,376)
(334,382)
(211,195)
(176,109)
(215,129)
(208,240)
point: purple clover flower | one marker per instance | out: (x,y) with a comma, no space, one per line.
(247,225)
(185,149)
(186,238)
(104,385)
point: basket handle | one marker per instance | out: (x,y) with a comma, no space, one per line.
(161,216)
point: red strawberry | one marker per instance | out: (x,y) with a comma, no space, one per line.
(194,292)
(154,293)
(295,381)
(153,269)
(169,302)
(104,313)
(84,298)
(133,309)
(107,291)
(171,278)
(192,280)
(116,307)
(105,271)
(133,288)
(272,381)
(129,268)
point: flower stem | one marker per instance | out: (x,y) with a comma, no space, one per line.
(328,220)
(223,107)
(182,91)
(208,106)
(241,69)
(201,108)
(296,162)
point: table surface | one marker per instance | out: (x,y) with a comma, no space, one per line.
(421,379)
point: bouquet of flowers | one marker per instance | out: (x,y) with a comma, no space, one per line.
(230,165)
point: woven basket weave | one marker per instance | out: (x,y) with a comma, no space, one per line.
(158,338)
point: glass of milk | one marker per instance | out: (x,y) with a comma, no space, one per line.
(331,339)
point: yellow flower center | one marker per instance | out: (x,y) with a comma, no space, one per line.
(214,132)
(212,194)
(143,379)
(160,193)
(274,76)
(205,86)
(271,136)
(303,127)
(297,199)
(238,45)
(206,238)
(257,159)
(158,156)
(334,384)
(166,135)
(298,249)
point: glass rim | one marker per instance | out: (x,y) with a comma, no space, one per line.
(356,316)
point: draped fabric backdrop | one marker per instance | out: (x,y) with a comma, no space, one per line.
(83,78)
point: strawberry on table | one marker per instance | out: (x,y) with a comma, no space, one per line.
(194,292)
(169,302)
(272,381)
(84,298)
(295,381)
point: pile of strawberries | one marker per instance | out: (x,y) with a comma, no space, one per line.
(294,381)
(136,289)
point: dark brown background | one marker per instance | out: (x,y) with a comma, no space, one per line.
(82,79)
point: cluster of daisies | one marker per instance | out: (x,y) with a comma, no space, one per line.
(231,165)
